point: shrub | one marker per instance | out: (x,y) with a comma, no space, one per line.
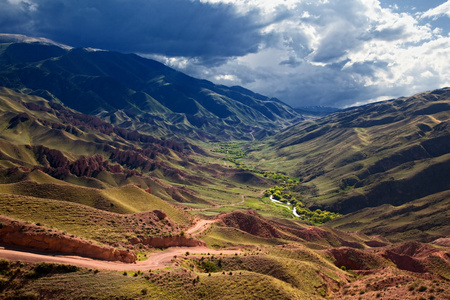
(422,288)
(4,264)
(44,269)
(209,266)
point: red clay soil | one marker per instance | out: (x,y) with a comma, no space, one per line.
(314,234)
(413,256)
(255,224)
(252,223)
(419,272)
(416,257)
(414,249)
(355,259)
(18,233)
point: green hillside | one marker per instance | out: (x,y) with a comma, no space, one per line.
(391,152)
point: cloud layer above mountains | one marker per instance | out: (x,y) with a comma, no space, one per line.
(323,52)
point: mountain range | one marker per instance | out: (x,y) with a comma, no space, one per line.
(123,178)
(140,94)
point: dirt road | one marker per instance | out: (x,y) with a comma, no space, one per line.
(199,227)
(220,206)
(155,260)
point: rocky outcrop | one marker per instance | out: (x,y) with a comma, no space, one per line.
(50,157)
(18,233)
(88,166)
(170,241)
(160,214)
(57,165)
(14,122)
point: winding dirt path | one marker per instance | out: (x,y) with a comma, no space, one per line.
(199,227)
(253,137)
(155,260)
(220,206)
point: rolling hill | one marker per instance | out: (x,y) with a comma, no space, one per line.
(391,152)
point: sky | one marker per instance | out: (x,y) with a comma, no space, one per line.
(335,53)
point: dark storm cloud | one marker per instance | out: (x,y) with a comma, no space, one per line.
(169,27)
(14,18)
(333,53)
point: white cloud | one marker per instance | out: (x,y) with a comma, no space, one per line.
(441,10)
(225,78)
(342,52)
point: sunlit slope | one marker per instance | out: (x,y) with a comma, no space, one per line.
(388,152)
(123,200)
(84,221)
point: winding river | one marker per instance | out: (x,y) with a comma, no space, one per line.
(288,206)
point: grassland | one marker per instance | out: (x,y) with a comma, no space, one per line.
(222,237)
(81,220)
(178,283)
(124,200)
(236,281)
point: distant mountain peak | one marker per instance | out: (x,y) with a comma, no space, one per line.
(20,38)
